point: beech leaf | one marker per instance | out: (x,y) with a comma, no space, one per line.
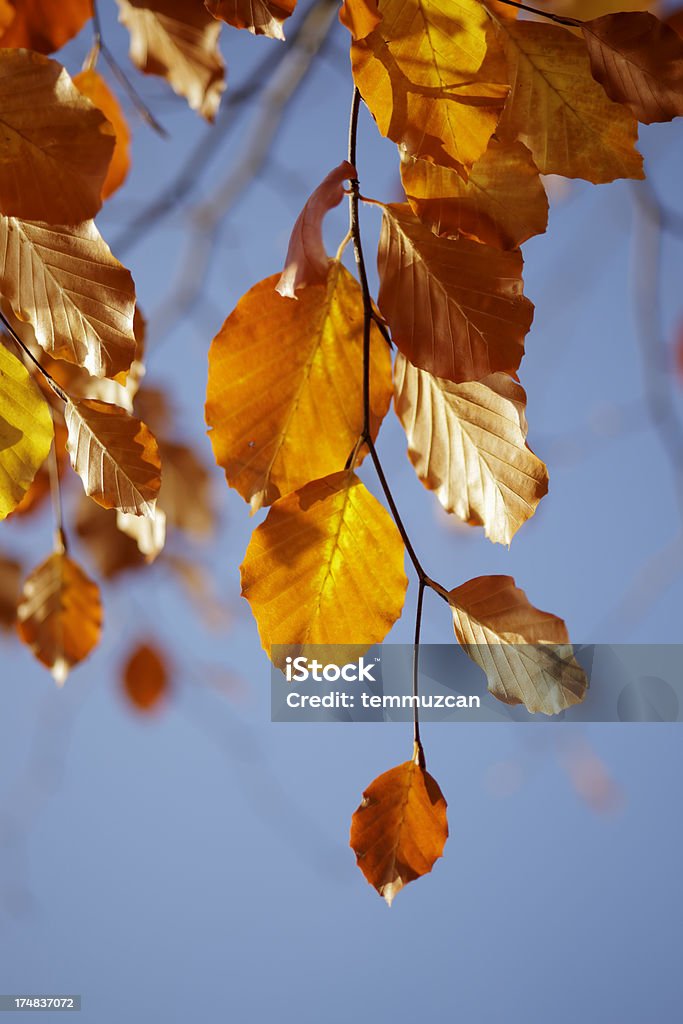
(148,532)
(145,677)
(261,17)
(91,84)
(44,25)
(25,431)
(360,17)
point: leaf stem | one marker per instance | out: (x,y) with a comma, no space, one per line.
(61,545)
(418,749)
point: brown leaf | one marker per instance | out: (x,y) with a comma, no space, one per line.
(60,614)
(455,307)
(638,60)
(400,829)
(112,551)
(92,85)
(360,17)
(56,145)
(524,652)
(146,677)
(44,25)
(10,582)
(307,261)
(186,493)
(262,17)
(149,533)
(178,40)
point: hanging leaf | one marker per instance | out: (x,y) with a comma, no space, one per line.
(502,203)
(468,443)
(148,532)
(10,582)
(39,490)
(25,431)
(112,551)
(146,677)
(454,307)
(115,455)
(307,261)
(638,60)
(400,829)
(178,40)
(78,298)
(186,494)
(360,17)
(285,393)
(56,145)
(524,652)
(558,110)
(310,573)
(60,614)
(44,25)
(261,17)
(91,84)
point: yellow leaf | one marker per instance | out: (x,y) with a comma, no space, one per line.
(44,25)
(115,455)
(178,40)
(25,431)
(78,298)
(360,17)
(454,307)
(92,85)
(558,110)
(60,614)
(502,203)
(400,829)
(285,392)
(311,572)
(261,17)
(434,78)
(56,145)
(524,652)
(467,442)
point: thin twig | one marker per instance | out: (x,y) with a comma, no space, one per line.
(27,351)
(418,754)
(61,545)
(572,22)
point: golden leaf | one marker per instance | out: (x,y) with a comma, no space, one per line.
(524,652)
(91,84)
(145,677)
(44,25)
(25,431)
(311,572)
(261,17)
(285,392)
(360,17)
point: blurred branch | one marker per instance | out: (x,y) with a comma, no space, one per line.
(666,218)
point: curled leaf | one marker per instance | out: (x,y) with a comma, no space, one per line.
(149,533)
(261,17)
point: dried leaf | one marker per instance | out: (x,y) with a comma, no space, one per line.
(149,533)
(502,203)
(285,391)
(146,677)
(92,85)
(307,573)
(454,307)
(467,442)
(25,431)
(558,111)
(186,493)
(178,40)
(39,490)
(400,829)
(360,17)
(44,25)
(307,261)
(10,583)
(261,17)
(638,60)
(112,551)
(115,455)
(524,652)
(60,614)
(78,298)
(56,145)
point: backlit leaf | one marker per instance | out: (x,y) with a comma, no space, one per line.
(360,17)
(45,25)
(39,490)
(56,144)
(148,532)
(311,574)
(524,652)
(25,431)
(262,17)
(285,390)
(454,307)
(468,444)
(400,829)
(145,677)
(92,85)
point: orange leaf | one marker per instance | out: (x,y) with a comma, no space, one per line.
(262,17)
(92,85)
(44,25)
(400,829)
(360,17)
(145,677)
(10,583)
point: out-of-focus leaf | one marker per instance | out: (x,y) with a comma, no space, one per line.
(307,261)
(115,455)
(39,490)
(524,652)
(285,393)
(400,829)
(308,574)
(10,584)
(60,614)
(178,40)
(186,494)
(78,298)
(44,25)
(502,203)
(112,551)
(92,85)
(149,533)
(468,443)
(146,677)
(454,307)
(262,17)
(57,145)
(25,431)
(360,17)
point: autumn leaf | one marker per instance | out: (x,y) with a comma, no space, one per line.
(467,443)
(148,532)
(455,307)
(10,583)
(25,431)
(115,455)
(112,551)
(434,78)
(262,17)
(285,392)
(307,261)
(558,110)
(310,573)
(360,17)
(524,652)
(178,40)
(60,614)
(145,677)
(502,203)
(638,60)
(400,829)
(44,25)
(39,490)
(91,84)
(78,298)
(186,494)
